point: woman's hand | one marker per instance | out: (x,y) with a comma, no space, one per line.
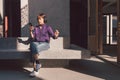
(56,33)
(31,28)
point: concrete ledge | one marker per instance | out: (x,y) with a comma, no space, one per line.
(18,48)
(60,54)
(56,44)
(48,54)
(14,54)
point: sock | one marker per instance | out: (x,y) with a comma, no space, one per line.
(37,62)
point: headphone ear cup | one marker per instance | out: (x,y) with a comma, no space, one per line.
(45,20)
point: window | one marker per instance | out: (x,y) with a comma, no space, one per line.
(110,28)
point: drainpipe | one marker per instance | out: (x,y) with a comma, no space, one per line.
(6,26)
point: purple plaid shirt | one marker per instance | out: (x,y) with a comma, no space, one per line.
(44,34)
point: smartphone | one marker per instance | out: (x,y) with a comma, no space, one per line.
(30,24)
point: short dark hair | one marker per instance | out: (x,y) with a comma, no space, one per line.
(43,16)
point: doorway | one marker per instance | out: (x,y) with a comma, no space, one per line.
(79,22)
(109,18)
(12,12)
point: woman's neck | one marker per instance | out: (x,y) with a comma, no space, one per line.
(42,24)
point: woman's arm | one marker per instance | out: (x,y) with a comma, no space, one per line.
(53,34)
(56,33)
(31,28)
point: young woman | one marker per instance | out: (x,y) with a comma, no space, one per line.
(41,38)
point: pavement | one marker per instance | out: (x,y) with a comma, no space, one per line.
(109,59)
(85,69)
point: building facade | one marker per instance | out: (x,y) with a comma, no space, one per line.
(90,24)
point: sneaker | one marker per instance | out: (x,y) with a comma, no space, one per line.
(38,66)
(34,73)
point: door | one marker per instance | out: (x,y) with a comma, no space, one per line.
(12,18)
(79,22)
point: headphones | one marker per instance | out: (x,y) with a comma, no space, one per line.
(43,16)
(45,20)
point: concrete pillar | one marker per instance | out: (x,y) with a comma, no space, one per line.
(118,31)
(93,26)
(100,27)
(95,41)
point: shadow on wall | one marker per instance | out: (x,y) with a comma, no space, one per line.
(25,31)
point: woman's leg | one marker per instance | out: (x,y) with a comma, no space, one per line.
(33,49)
(36,64)
(41,46)
(36,48)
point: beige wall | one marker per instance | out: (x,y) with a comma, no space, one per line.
(1,18)
(23,3)
(24,13)
(1,8)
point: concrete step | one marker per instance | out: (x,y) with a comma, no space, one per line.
(49,58)
(49,54)
(23,43)
(15,49)
(18,48)
(64,54)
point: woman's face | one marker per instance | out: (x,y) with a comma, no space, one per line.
(41,20)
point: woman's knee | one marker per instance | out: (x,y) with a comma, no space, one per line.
(35,56)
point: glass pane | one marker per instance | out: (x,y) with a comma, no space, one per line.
(114,29)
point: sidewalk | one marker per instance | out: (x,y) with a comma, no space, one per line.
(85,69)
(109,55)
(108,58)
